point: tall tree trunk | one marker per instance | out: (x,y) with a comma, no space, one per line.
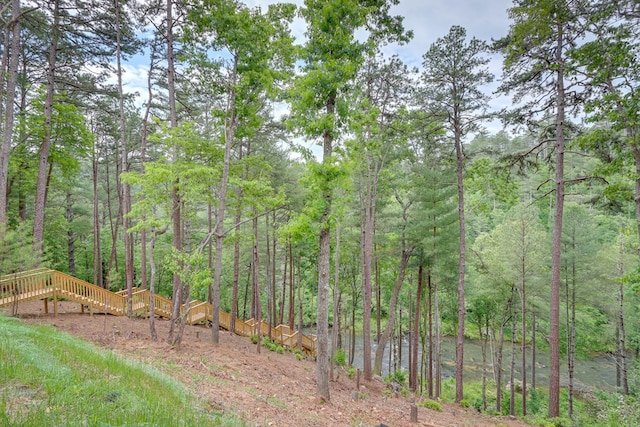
(124,194)
(622,352)
(274,247)
(10,94)
(176,216)
(291,293)
(512,371)
(71,235)
(556,251)
(336,303)
(152,289)
(229,136)
(430,334)
(268,276)
(533,350)
(368,212)
(391,320)
(43,162)
(97,241)
(322,318)
(143,159)
(484,338)
(461,260)
(115,226)
(376,266)
(257,316)
(498,359)
(300,306)
(438,340)
(236,265)
(571,342)
(284,283)
(152,282)
(415,335)
(523,317)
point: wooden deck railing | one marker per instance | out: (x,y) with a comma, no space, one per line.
(44,283)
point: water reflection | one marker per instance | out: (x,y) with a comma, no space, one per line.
(597,372)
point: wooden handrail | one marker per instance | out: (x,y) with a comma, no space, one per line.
(42,283)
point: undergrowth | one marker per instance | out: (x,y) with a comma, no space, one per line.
(51,378)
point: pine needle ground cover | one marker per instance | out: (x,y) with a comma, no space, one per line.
(51,378)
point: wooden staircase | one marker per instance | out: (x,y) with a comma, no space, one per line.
(45,284)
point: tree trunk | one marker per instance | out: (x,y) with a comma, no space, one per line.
(430,329)
(152,282)
(257,316)
(125,199)
(336,304)
(43,162)
(461,262)
(484,337)
(391,320)
(368,211)
(176,216)
(10,93)
(291,293)
(556,251)
(438,340)
(622,353)
(236,262)
(269,284)
(533,350)
(413,371)
(284,282)
(143,159)
(300,307)
(113,257)
(71,235)
(229,135)
(512,377)
(498,362)
(523,314)
(376,265)
(322,354)
(274,247)
(97,241)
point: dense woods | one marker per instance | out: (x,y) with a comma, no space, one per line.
(321,183)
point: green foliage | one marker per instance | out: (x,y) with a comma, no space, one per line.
(16,250)
(431,404)
(51,378)
(340,358)
(534,403)
(271,345)
(399,376)
(351,372)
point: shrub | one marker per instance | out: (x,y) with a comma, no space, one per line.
(431,404)
(351,372)
(340,358)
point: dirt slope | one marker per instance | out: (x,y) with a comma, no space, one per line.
(266,389)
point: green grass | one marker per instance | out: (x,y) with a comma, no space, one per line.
(51,378)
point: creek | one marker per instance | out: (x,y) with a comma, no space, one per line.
(595,372)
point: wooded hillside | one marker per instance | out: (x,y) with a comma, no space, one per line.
(320,183)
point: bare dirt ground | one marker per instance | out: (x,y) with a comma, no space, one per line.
(266,389)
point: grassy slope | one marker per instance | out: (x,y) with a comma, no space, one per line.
(51,378)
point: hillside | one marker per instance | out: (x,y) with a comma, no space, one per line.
(266,389)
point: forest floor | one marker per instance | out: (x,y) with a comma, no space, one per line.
(266,389)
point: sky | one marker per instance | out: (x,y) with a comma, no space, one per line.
(431,19)
(428,19)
